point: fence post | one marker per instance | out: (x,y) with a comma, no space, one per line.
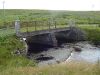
(49,24)
(35,25)
(17,27)
(55,24)
(27,26)
(42,25)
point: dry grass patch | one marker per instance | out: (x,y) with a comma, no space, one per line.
(61,69)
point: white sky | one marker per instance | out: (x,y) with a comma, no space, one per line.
(52,4)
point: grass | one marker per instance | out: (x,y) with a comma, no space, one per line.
(19,65)
(32,28)
(61,69)
(9,44)
(62,17)
(92,33)
(6,32)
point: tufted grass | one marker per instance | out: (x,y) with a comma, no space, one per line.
(61,69)
(9,44)
(20,65)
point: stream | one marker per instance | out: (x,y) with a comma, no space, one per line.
(89,53)
(67,53)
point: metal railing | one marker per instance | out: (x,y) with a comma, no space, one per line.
(27,26)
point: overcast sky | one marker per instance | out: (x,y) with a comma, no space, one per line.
(52,4)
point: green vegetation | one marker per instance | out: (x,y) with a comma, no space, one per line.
(62,17)
(9,44)
(61,69)
(86,19)
(11,64)
(92,32)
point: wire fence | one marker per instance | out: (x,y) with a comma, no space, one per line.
(28,26)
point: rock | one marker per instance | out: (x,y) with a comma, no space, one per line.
(98,46)
(58,61)
(77,49)
(17,52)
(56,47)
(62,46)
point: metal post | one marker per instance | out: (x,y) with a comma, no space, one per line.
(55,24)
(17,27)
(49,25)
(35,25)
(4,13)
(27,26)
(42,22)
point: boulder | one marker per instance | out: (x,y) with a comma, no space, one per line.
(77,48)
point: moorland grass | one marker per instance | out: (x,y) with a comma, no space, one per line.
(20,65)
(92,33)
(9,44)
(58,69)
(62,17)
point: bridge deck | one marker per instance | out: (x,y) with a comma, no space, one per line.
(33,33)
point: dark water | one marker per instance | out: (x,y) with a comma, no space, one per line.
(37,48)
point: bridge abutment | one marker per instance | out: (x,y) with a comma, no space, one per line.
(41,42)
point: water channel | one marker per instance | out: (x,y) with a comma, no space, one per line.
(66,53)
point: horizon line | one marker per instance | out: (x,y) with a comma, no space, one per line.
(44,9)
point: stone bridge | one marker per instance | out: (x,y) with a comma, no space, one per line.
(50,37)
